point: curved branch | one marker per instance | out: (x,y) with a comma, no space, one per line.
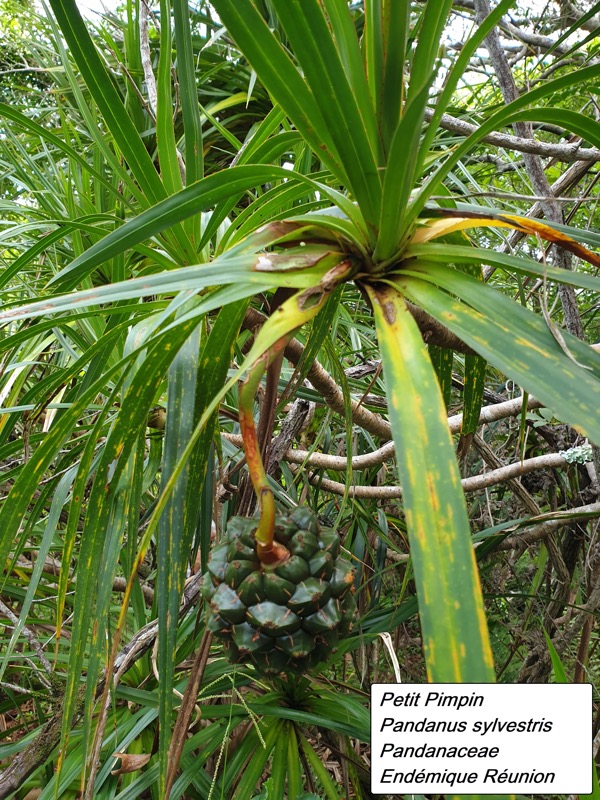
(510,408)
(562,152)
(546,527)
(325,384)
(528,536)
(334,397)
(322,381)
(514,470)
(471,484)
(492,413)
(533,40)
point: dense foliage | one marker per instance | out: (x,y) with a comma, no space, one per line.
(380,216)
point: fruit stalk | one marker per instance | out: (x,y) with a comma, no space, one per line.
(268,551)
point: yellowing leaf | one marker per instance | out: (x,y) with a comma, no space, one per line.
(460,220)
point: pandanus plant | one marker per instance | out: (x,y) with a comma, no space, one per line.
(351,86)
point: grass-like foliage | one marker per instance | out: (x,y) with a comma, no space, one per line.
(370,216)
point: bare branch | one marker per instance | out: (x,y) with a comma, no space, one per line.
(493,413)
(529,535)
(297,419)
(534,534)
(326,385)
(471,484)
(147,58)
(491,459)
(506,473)
(534,40)
(574,16)
(562,152)
(53,567)
(12,687)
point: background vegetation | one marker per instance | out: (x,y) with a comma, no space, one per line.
(166,185)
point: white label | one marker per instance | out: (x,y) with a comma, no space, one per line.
(477,738)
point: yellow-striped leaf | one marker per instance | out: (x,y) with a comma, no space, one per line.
(453,621)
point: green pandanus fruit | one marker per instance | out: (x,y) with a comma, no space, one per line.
(282,617)
(280,594)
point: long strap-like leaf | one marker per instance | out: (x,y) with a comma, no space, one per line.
(103,90)
(194,377)
(455,636)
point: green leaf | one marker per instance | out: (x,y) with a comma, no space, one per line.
(114,462)
(334,92)
(457,71)
(455,254)
(586,127)
(194,378)
(280,76)
(279,761)
(58,501)
(191,200)
(328,786)
(346,41)
(165,130)
(474,386)
(253,753)
(47,136)
(431,27)
(247,273)
(387,27)
(557,665)
(293,765)
(409,149)
(14,507)
(515,341)
(175,529)
(406,156)
(399,178)
(186,76)
(442,360)
(100,85)
(455,634)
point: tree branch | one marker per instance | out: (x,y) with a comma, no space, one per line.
(492,460)
(534,534)
(33,642)
(146,58)
(472,484)
(562,152)
(492,413)
(433,332)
